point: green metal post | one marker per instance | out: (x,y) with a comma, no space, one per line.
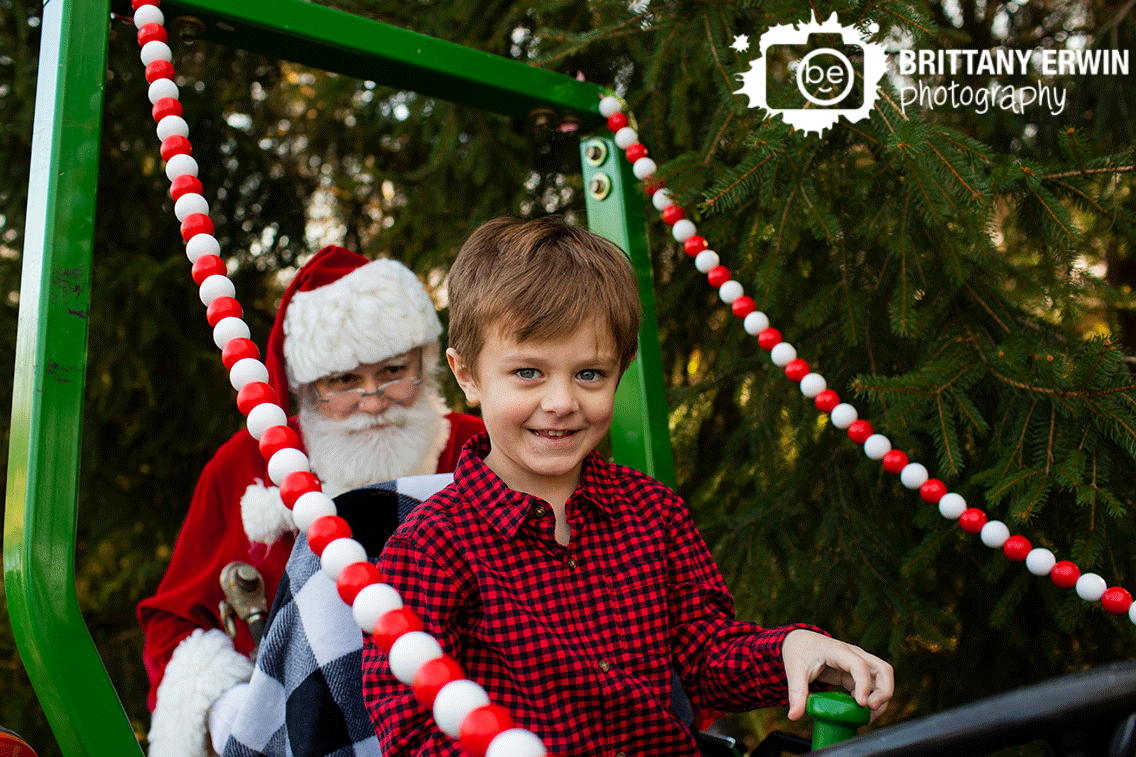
(43,464)
(640,433)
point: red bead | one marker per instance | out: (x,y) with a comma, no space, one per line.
(194,224)
(694,245)
(616,122)
(152,33)
(325,530)
(672,214)
(136,4)
(296,484)
(652,186)
(277,438)
(185,184)
(159,69)
(394,624)
(636,151)
(238,349)
(859,431)
(1017,548)
(718,276)
(175,144)
(252,394)
(433,675)
(1116,600)
(972,520)
(796,370)
(222,307)
(895,461)
(1065,574)
(481,726)
(352,580)
(743,306)
(932,490)
(167,106)
(206,266)
(770,338)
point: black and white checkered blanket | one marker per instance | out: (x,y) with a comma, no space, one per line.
(305,695)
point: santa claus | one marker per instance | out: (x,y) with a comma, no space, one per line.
(356,342)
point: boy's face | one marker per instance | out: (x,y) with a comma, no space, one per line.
(546,405)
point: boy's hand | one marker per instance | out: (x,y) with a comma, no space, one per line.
(810,656)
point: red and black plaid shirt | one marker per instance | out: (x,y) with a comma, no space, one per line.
(577,642)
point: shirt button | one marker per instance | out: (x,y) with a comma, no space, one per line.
(541,511)
(605,666)
(621,754)
(572,563)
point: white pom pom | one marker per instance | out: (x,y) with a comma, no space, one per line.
(148,14)
(230,328)
(217,285)
(876,446)
(609,106)
(730,291)
(705,261)
(373,602)
(517,742)
(812,384)
(843,415)
(913,475)
(172,126)
(310,507)
(994,534)
(644,168)
(455,700)
(188,204)
(1091,587)
(339,554)
(661,199)
(161,88)
(263,417)
(1040,561)
(284,461)
(410,652)
(683,230)
(755,323)
(245,371)
(951,505)
(202,244)
(180,165)
(626,137)
(783,354)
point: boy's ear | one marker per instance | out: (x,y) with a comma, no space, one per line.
(464,375)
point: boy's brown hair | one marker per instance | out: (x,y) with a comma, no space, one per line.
(540,280)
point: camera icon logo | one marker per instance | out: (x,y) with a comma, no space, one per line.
(813,74)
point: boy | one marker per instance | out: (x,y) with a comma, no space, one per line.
(566,586)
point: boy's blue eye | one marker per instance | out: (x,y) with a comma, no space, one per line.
(526,373)
(590,374)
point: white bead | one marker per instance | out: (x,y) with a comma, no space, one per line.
(245,371)
(1131,616)
(706,261)
(644,168)
(339,554)
(843,415)
(202,244)
(952,505)
(876,446)
(310,507)
(626,137)
(172,126)
(373,602)
(661,199)
(609,106)
(812,384)
(217,285)
(994,534)
(517,742)
(180,165)
(683,230)
(155,50)
(410,652)
(913,475)
(755,323)
(229,328)
(1040,561)
(783,354)
(455,700)
(161,88)
(148,14)
(188,204)
(284,461)
(263,417)
(1091,587)
(730,291)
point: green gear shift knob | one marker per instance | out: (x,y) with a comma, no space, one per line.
(836,716)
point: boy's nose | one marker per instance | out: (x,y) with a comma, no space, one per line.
(559,399)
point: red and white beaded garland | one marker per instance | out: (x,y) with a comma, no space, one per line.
(460,706)
(995,534)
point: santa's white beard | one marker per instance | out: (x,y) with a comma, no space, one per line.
(364,449)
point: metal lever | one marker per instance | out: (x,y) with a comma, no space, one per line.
(244,598)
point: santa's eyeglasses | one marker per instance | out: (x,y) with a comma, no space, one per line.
(399,389)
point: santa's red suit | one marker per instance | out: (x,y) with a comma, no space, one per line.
(340,311)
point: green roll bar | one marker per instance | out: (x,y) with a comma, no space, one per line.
(40,512)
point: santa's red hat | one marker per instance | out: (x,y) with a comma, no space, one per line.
(341,311)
